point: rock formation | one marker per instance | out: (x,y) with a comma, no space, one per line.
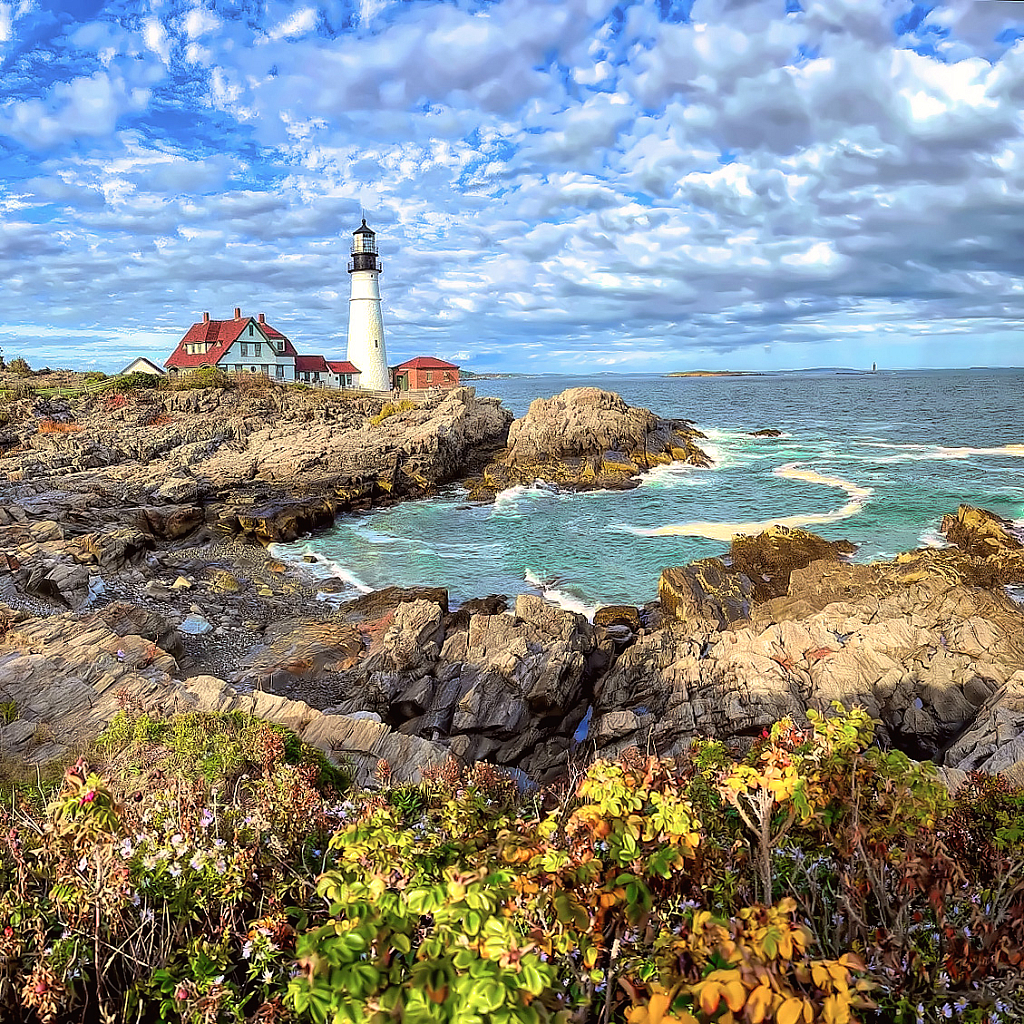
(128,573)
(586,439)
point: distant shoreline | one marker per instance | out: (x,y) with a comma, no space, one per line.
(714,373)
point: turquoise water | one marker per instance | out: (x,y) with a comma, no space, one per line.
(878,457)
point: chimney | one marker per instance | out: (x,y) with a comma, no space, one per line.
(206,317)
(238,312)
(263,319)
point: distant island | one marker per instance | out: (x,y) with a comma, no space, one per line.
(712,373)
(469,375)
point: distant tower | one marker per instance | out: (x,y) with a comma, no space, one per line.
(365,324)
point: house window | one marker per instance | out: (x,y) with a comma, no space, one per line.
(252,369)
(430,376)
(447,375)
(280,371)
(250,334)
(238,367)
(257,347)
(305,375)
(245,349)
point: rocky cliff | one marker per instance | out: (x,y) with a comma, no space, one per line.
(128,573)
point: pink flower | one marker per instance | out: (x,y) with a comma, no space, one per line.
(88,797)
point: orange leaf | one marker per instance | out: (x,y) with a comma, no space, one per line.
(735,993)
(757,1004)
(710,996)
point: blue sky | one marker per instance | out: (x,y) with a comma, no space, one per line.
(557,185)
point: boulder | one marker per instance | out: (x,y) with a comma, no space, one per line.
(995,740)
(586,439)
(299,649)
(982,533)
(707,591)
(618,615)
(770,558)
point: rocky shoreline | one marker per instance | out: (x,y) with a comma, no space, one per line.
(132,570)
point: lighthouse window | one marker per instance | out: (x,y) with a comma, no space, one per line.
(376,344)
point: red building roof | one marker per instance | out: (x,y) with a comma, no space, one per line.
(218,335)
(426,363)
(341,366)
(311,364)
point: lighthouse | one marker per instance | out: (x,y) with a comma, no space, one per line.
(365,323)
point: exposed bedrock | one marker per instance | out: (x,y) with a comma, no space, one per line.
(586,439)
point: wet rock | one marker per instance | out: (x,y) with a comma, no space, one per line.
(618,615)
(766,432)
(379,603)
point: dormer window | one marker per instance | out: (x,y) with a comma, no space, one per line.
(250,330)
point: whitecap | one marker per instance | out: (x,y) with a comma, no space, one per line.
(562,598)
(324,568)
(931,538)
(370,535)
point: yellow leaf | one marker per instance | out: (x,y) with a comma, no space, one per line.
(835,1010)
(819,972)
(710,996)
(852,961)
(757,1004)
(790,1011)
(735,993)
(808,1011)
(656,1007)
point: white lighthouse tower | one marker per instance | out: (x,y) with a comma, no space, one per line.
(365,324)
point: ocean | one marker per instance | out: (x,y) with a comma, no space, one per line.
(876,458)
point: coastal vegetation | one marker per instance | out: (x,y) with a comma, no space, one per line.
(203,868)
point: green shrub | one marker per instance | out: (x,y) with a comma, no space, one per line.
(19,366)
(208,377)
(137,381)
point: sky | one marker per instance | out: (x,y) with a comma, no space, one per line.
(557,185)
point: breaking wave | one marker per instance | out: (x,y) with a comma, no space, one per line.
(550,592)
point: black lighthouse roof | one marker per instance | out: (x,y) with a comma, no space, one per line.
(363,229)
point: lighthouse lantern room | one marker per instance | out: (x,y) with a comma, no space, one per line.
(365,323)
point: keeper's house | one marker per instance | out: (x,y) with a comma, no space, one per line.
(251,345)
(425,372)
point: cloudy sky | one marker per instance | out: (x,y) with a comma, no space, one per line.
(556,184)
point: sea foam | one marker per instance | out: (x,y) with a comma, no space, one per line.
(857,494)
(560,597)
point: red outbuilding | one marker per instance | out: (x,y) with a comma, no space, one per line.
(425,372)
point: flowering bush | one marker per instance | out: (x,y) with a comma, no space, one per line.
(209,868)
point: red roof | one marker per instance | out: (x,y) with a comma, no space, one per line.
(426,363)
(219,334)
(341,366)
(311,364)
